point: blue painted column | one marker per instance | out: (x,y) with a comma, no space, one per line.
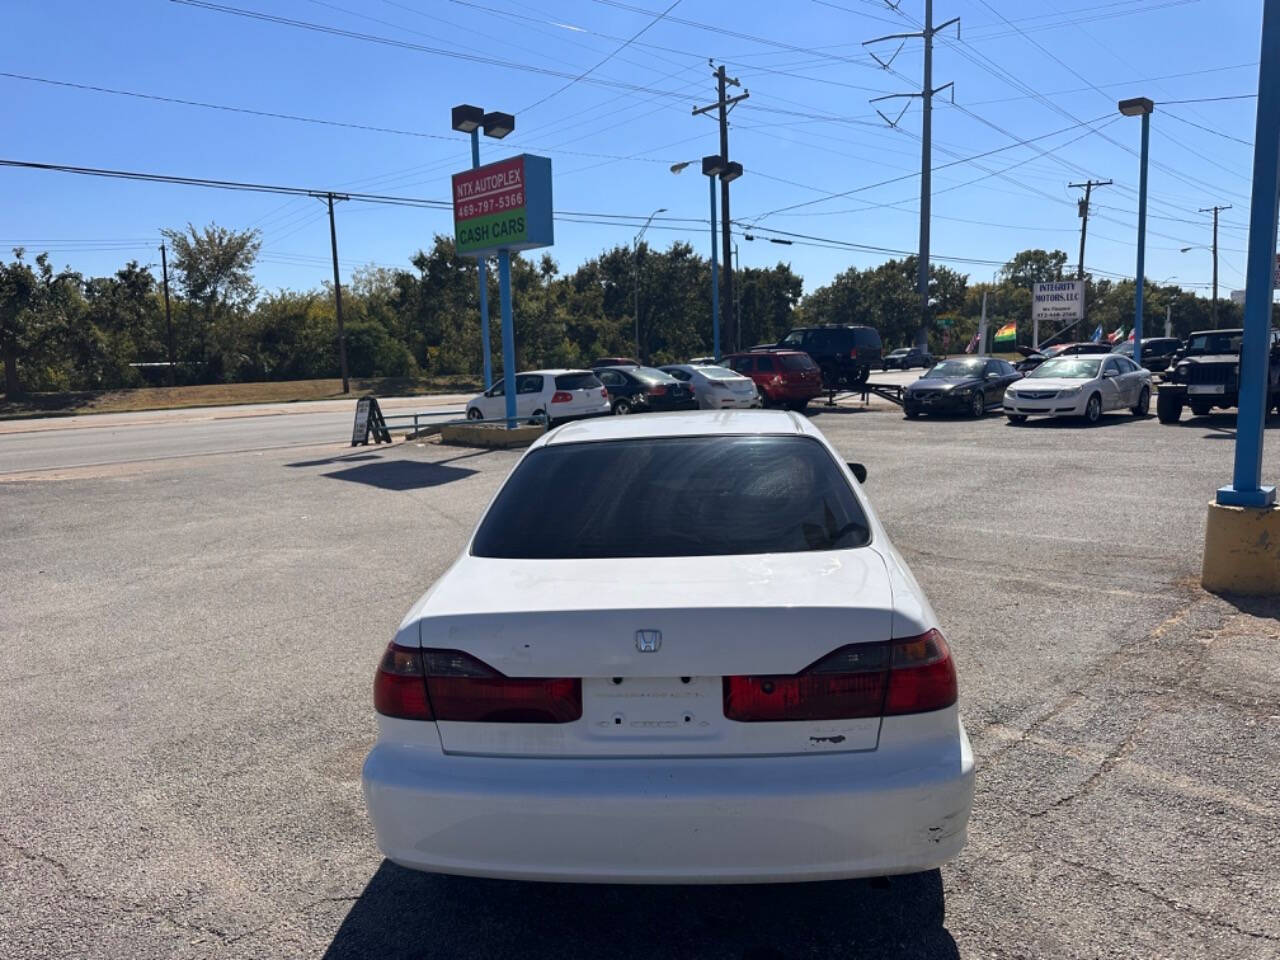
(508,335)
(1246,488)
(484,282)
(1142,241)
(715,276)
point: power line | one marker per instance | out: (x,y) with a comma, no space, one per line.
(418,47)
(275,115)
(1238,96)
(937,167)
(592,69)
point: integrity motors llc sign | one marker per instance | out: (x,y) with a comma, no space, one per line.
(504,205)
(1058,300)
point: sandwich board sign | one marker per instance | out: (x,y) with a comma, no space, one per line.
(1058,301)
(369,420)
(503,206)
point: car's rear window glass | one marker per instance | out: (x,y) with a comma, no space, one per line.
(673,497)
(577,381)
(796,361)
(651,375)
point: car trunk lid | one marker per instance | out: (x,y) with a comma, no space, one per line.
(651,642)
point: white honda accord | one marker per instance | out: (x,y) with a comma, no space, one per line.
(677,649)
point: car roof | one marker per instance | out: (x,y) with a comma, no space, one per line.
(1196,333)
(551,372)
(694,423)
(754,350)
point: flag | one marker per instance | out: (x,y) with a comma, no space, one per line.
(1097,334)
(1117,335)
(1007,334)
(1131,333)
(973,345)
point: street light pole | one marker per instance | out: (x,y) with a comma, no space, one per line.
(635,276)
(470,119)
(1140,106)
(715,276)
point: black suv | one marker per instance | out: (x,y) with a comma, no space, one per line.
(1206,374)
(1157,352)
(844,353)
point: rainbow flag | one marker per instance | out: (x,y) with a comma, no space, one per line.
(1007,334)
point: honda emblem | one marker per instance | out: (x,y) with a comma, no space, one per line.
(648,641)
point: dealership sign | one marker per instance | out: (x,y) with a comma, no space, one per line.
(504,205)
(1058,300)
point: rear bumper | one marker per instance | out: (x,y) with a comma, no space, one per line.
(716,402)
(899,809)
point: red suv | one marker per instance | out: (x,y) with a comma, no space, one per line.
(785,378)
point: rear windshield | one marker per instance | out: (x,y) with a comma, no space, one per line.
(796,361)
(719,373)
(651,375)
(577,381)
(673,497)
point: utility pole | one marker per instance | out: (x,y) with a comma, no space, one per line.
(926,94)
(168,318)
(337,288)
(1084,228)
(730,173)
(1215,211)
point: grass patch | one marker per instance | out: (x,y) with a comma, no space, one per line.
(223,394)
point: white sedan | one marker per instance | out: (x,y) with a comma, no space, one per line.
(669,655)
(558,395)
(1080,386)
(717,388)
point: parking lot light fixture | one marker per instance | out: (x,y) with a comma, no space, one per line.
(498,125)
(467,118)
(731,172)
(1140,107)
(713,165)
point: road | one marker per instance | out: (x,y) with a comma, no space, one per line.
(187,647)
(116,438)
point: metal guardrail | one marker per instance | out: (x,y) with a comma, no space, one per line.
(424,423)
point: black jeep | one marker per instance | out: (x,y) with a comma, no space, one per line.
(1206,374)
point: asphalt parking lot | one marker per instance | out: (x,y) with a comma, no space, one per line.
(187,647)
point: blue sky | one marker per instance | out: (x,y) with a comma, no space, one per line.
(1021,70)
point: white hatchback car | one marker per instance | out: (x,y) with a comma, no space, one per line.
(558,395)
(676,649)
(716,387)
(1080,386)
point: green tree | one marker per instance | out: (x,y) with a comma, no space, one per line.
(215,271)
(36,309)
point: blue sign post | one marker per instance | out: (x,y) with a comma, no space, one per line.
(1242,534)
(498,208)
(484,281)
(715,277)
(1246,489)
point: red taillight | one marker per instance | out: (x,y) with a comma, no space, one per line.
(399,686)
(604,393)
(913,675)
(922,675)
(460,687)
(562,396)
(657,391)
(853,354)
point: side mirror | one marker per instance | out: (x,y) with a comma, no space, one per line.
(859,471)
(993,376)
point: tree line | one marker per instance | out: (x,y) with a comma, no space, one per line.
(61,331)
